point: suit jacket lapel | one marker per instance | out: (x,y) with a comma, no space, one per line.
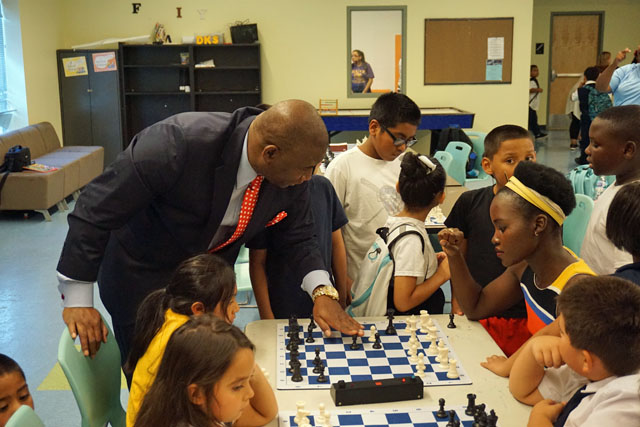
(225,177)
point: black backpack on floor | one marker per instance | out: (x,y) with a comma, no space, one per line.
(16,158)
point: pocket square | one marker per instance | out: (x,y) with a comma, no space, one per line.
(276,219)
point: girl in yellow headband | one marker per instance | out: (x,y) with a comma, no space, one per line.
(527,215)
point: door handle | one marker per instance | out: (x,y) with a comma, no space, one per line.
(569,75)
(89,90)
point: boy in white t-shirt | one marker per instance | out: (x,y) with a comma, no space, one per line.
(358,174)
(417,276)
(588,376)
(614,142)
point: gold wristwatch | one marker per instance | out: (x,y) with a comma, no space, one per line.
(327,290)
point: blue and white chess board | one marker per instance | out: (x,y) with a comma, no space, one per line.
(382,417)
(366,363)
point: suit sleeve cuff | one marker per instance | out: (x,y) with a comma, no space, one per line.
(75,293)
(315,278)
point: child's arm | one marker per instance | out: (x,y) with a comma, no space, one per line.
(259,283)
(604,78)
(501,366)
(368,86)
(528,368)
(476,301)
(406,294)
(339,267)
(545,413)
(263,406)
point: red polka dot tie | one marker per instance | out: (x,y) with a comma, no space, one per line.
(246,210)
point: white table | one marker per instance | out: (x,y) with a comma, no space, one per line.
(469,340)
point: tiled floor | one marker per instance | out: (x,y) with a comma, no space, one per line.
(30,321)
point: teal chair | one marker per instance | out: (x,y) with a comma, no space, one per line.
(477,139)
(24,417)
(460,152)
(243,255)
(95,382)
(445,159)
(575,225)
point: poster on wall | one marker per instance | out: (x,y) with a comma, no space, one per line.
(104,61)
(75,66)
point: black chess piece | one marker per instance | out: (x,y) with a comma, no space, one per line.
(471,404)
(391,330)
(354,343)
(294,350)
(483,420)
(452,419)
(312,322)
(451,325)
(317,362)
(377,344)
(297,376)
(310,329)
(292,365)
(321,378)
(456,423)
(441,412)
(492,419)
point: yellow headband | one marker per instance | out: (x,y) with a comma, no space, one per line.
(541,202)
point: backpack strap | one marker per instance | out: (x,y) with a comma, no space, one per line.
(398,233)
(2,181)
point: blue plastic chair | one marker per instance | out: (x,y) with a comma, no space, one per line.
(575,225)
(243,283)
(477,139)
(445,159)
(24,417)
(460,152)
(95,382)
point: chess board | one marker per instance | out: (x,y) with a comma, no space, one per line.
(367,363)
(383,417)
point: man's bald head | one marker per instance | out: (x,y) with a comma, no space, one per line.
(292,125)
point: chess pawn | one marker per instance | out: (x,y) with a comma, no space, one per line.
(430,323)
(421,366)
(327,420)
(372,333)
(453,370)
(304,419)
(433,332)
(433,347)
(321,409)
(444,358)
(413,353)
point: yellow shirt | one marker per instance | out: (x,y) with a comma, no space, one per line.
(147,366)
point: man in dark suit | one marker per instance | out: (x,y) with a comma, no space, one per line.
(176,191)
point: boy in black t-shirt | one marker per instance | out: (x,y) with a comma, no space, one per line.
(504,147)
(272,273)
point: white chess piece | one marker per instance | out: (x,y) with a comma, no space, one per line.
(453,370)
(421,366)
(430,323)
(444,358)
(433,347)
(424,318)
(372,333)
(327,420)
(299,411)
(304,419)
(413,353)
(433,332)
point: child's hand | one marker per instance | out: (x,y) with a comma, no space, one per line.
(621,56)
(545,412)
(499,365)
(441,256)
(546,351)
(450,240)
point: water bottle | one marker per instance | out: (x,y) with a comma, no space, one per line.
(601,185)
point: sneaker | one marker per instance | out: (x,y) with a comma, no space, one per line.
(573,147)
(541,135)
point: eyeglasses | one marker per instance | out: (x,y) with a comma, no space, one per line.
(399,141)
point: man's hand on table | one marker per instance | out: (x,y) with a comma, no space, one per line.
(328,314)
(86,323)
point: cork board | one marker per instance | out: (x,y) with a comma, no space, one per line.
(456,50)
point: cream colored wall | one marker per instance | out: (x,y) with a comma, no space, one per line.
(621,29)
(40,22)
(303,47)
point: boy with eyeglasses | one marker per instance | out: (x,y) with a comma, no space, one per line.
(359,174)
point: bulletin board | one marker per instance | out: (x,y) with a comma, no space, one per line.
(467,51)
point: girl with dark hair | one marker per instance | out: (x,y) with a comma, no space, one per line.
(417,275)
(14,391)
(201,284)
(205,379)
(361,73)
(527,215)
